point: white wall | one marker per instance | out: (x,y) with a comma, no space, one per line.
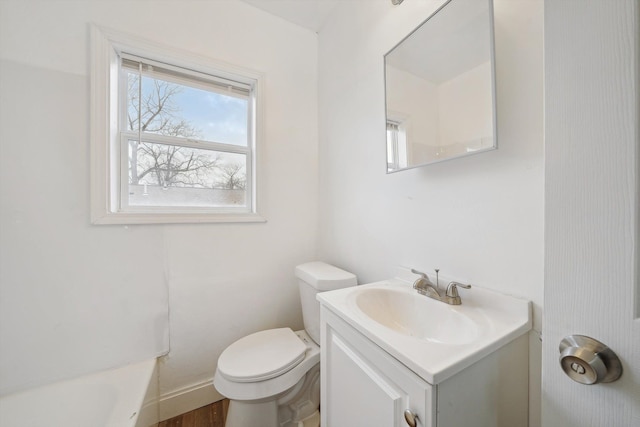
(77,298)
(480,218)
(71,295)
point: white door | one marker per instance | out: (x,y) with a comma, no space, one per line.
(591,204)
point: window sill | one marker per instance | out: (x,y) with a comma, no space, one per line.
(175,218)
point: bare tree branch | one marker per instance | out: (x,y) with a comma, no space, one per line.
(232,176)
(159,164)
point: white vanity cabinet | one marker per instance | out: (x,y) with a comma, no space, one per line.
(365,386)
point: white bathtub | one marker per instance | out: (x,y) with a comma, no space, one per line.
(123,397)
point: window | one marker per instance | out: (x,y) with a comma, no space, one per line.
(396,146)
(173,136)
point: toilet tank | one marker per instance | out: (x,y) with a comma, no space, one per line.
(314,277)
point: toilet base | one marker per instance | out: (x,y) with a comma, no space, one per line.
(241,414)
(311,421)
(293,408)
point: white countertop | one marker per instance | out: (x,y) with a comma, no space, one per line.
(498,318)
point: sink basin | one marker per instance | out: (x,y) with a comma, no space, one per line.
(417,316)
(433,339)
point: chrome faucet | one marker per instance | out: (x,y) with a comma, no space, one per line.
(425,286)
(451,295)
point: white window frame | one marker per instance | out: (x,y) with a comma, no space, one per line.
(107,165)
(398,144)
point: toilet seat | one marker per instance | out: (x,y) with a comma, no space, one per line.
(273,387)
(261,356)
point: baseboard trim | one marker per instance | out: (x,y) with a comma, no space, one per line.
(187,399)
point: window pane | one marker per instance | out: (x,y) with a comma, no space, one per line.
(171,109)
(175,176)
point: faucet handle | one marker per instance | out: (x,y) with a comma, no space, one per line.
(424,276)
(452,289)
(421,283)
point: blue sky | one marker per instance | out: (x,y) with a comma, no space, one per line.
(217,117)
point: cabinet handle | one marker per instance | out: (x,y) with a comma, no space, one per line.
(410,418)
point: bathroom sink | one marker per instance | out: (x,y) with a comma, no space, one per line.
(433,339)
(414,315)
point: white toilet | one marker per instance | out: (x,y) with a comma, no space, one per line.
(272,377)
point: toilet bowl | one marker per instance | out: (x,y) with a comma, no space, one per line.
(272,377)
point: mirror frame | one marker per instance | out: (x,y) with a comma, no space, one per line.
(494,108)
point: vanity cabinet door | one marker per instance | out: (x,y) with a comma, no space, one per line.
(362,385)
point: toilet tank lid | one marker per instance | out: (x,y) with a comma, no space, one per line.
(325,277)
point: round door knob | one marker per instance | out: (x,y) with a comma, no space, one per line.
(588,361)
(410,418)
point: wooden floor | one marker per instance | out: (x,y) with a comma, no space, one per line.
(213,415)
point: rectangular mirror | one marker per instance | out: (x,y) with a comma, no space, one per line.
(440,87)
